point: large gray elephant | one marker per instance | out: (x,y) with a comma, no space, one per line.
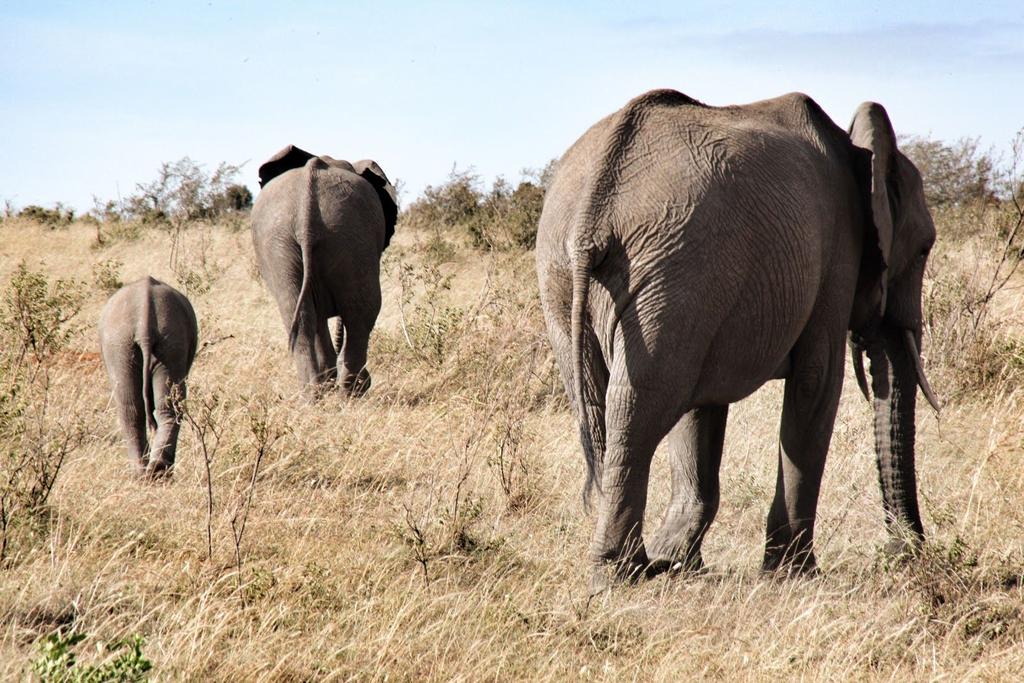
(319,226)
(687,254)
(148,340)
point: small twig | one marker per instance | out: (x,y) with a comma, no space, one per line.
(207,427)
(484,291)
(211,342)
(242,512)
(418,539)
(405,327)
(265,438)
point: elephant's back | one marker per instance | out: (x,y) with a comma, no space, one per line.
(345,198)
(664,155)
(562,200)
(148,310)
(277,200)
(174,326)
(173,314)
(119,315)
(316,201)
(723,174)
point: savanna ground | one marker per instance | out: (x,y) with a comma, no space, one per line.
(434,530)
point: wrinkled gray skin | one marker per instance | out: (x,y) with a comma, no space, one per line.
(148,340)
(688,254)
(319,226)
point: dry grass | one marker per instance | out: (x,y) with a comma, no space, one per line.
(434,530)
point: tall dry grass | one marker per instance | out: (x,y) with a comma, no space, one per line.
(433,529)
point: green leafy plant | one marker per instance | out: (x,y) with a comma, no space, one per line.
(57,661)
(35,324)
(106,275)
(432,327)
(37,314)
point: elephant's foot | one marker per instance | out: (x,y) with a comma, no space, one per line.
(607,575)
(690,563)
(356,384)
(631,568)
(158,471)
(903,546)
(138,467)
(669,554)
(314,391)
(790,560)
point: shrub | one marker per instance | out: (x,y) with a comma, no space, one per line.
(510,461)
(194,271)
(979,250)
(500,219)
(452,204)
(58,217)
(236,198)
(35,324)
(953,173)
(36,316)
(961,339)
(490,348)
(508,218)
(106,212)
(433,327)
(125,231)
(446,524)
(184,191)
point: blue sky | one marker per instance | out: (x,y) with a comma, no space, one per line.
(94,96)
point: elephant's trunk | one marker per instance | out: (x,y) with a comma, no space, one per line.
(894,379)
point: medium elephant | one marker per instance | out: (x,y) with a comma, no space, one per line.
(319,227)
(687,254)
(148,340)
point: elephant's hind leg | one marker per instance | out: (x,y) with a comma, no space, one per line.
(636,419)
(358,321)
(167,388)
(695,454)
(809,408)
(326,355)
(354,376)
(124,367)
(312,346)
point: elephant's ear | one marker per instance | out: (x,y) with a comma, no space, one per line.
(288,158)
(871,130)
(374,174)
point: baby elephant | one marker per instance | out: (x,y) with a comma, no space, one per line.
(148,340)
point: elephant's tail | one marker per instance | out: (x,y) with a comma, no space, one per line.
(145,342)
(304,294)
(580,292)
(147,383)
(308,212)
